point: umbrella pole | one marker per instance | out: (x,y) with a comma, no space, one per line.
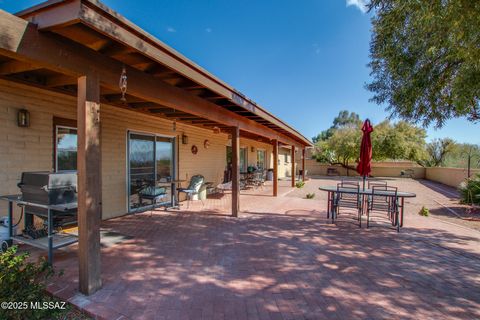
(364,178)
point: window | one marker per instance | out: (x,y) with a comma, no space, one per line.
(261,159)
(286,157)
(243,159)
(65,144)
(150,169)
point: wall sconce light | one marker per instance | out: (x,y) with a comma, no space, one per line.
(23,118)
(184,139)
(252,149)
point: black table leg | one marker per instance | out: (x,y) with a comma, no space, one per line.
(10,223)
(50,237)
(402,211)
(329,204)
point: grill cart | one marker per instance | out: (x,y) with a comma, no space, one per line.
(51,197)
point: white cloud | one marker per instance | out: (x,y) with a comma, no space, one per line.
(360,4)
(208,30)
(171,29)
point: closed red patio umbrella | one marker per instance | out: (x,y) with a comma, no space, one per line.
(364,165)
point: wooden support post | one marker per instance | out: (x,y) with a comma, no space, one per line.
(275,168)
(293,165)
(235,171)
(303,164)
(89,183)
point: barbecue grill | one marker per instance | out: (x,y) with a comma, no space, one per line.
(49,188)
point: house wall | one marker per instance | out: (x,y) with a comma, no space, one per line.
(31,149)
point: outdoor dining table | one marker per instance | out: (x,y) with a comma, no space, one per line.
(332,190)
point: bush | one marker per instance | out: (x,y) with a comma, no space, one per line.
(470,191)
(424,212)
(310,195)
(22,281)
(300,184)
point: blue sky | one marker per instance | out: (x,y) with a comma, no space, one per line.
(302,60)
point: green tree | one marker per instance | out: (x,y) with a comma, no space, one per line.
(341,148)
(344,119)
(460,155)
(399,141)
(425,59)
(438,150)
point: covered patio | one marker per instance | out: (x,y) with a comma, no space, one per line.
(283,260)
(82,70)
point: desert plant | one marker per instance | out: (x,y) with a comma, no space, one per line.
(310,195)
(24,282)
(300,184)
(470,190)
(424,212)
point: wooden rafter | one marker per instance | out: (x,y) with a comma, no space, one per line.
(15,66)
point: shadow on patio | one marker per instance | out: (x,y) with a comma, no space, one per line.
(269,266)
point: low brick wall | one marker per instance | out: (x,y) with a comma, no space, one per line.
(449,176)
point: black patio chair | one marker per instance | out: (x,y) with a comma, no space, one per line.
(348,196)
(377,183)
(380,202)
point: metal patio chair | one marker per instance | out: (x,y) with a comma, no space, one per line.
(193,188)
(383,203)
(348,196)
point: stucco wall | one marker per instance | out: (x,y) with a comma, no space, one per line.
(449,176)
(381,169)
(30,149)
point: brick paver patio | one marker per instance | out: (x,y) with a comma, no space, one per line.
(283,260)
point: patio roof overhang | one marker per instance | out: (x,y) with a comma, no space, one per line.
(161,81)
(80,47)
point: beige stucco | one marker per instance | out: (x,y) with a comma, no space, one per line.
(31,149)
(379,169)
(449,176)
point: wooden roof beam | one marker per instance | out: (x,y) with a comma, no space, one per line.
(15,66)
(23,41)
(60,81)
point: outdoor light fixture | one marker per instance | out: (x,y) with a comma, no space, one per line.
(23,118)
(184,139)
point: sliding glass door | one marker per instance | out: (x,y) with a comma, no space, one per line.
(150,167)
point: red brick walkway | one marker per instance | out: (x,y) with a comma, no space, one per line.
(281,260)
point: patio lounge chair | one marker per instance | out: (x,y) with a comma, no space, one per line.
(380,203)
(196,182)
(350,199)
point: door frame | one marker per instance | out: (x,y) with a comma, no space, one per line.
(174,160)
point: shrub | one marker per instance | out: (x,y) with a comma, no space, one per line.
(470,191)
(424,212)
(300,184)
(310,195)
(22,281)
